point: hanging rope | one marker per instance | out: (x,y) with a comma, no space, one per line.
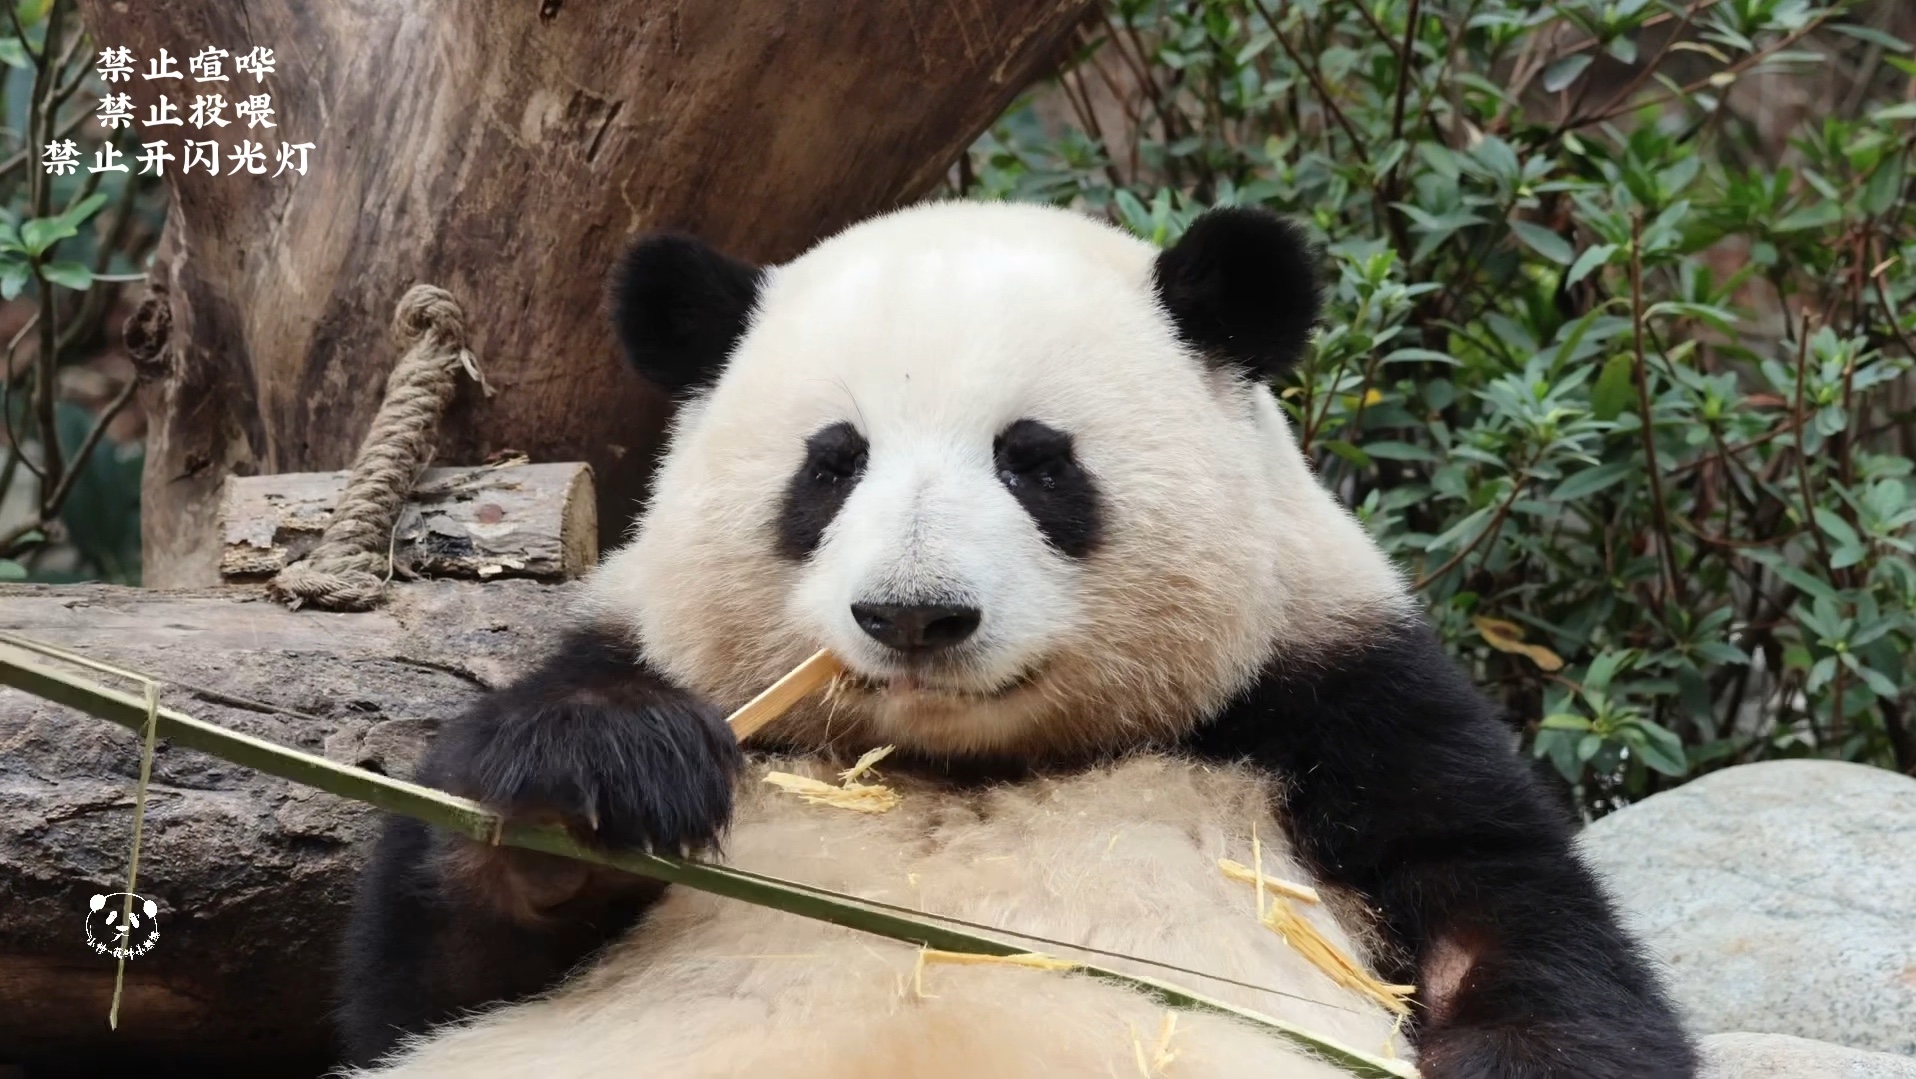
(349,568)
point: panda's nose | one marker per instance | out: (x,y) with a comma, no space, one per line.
(916,627)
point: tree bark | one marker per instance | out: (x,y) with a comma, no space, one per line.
(252,874)
(505,150)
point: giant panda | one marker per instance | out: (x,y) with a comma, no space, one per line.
(1025,475)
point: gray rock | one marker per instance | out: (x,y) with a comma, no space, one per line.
(1779,1056)
(1781,897)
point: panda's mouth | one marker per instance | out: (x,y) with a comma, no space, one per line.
(927,684)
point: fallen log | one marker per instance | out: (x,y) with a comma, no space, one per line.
(251,874)
(511,520)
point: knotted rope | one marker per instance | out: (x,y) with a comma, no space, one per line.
(349,568)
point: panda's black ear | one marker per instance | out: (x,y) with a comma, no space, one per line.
(1241,285)
(678,307)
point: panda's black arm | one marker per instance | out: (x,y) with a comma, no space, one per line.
(1403,784)
(591,738)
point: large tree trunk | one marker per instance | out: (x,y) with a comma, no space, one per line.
(251,873)
(505,150)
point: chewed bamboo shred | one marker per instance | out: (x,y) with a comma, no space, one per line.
(858,797)
(1242,872)
(1304,938)
(865,763)
(1160,1058)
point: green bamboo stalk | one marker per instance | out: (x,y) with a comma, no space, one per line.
(21,669)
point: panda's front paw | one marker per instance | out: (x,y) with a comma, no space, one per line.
(629,763)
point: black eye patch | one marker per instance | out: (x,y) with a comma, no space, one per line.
(834,462)
(1037,465)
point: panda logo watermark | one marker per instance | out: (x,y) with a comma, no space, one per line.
(114,928)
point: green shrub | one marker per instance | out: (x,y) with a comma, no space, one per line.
(1564,248)
(70,240)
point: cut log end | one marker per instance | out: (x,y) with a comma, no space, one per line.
(493,521)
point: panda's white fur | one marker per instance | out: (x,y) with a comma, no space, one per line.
(931,329)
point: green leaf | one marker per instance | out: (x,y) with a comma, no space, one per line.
(1436,224)
(1879,683)
(1903,111)
(1544,242)
(11,570)
(1604,668)
(1661,749)
(43,232)
(1588,261)
(1565,71)
(14,275)
(1588,482)
(1820,673)
(1722,652)
(1884,188)
(1564,721)
(1497,156)
(1616,388)
(73,275)
(1348,452)
(1808,584)
(1835,527)
(85,208)
(1421,355)
(14,54)
(1820,215)
(1871,35)
(1136,217)
(1398,451)
(1441,159)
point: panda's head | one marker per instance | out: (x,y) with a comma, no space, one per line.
(1019,470)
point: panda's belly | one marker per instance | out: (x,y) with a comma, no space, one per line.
(1122,859)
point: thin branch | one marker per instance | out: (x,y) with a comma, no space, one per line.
(1725,453)
(19,31)
(45,386)
(6,390)
(62,92)
(114,407)
(41,196)
(1802,456)
(1517,486)
(1666,542)
(1404,69)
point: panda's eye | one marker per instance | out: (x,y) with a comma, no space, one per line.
(835,454)
(1030,454)
(819,485)
(1039,465)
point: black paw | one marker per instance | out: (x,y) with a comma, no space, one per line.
(625,761)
